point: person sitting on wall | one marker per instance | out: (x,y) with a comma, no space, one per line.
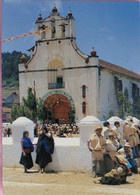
(110,151)
(127,153)
(96,144)
(116,176)
(129,135)
(27,148)
(117,132)
(45,148)
(106,129)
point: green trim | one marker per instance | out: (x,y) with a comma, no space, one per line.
(59,92)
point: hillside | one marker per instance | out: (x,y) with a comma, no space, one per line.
(10,80)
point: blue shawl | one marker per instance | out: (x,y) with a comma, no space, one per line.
(27,143)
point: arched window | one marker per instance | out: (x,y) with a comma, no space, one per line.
(84,107)
(83,91)
(43,33)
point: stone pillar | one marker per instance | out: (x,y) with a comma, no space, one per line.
(19,126)
(87,126)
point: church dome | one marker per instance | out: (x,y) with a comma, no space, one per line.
(39,17)
(93,52)
(23,58)
(70,14)
(54,10)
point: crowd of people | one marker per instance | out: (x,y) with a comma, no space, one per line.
(62,130)
(114,153)
(7,132)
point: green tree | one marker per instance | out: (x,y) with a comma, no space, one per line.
(123,103)
(31,107)
(10,63)
(71,116)
(41,111)
(111,113)
(31,103)
(14,114)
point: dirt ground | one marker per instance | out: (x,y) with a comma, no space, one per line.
(15,182)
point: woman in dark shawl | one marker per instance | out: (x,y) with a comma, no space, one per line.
(118,175)
(45,148)
(27,148)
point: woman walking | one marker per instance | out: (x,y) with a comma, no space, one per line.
(45,148)
(27,148)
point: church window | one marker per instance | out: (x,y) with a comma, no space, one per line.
(54,28)
(84,107)
(43,33)
(63,29)
(83,91)
(59,82)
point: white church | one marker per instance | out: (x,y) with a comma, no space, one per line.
(69,81)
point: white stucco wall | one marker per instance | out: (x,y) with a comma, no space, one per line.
(70,154)
(107,97)
(65,55)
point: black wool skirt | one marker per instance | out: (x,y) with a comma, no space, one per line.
(26,160)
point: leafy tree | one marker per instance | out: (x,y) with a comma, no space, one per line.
(31,104)
(31,107)
(14,114)
(123,103)
(71,116)
(10,63)
(41,111)
(111,113)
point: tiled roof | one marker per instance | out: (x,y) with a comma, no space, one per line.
(118,69)
(6,109)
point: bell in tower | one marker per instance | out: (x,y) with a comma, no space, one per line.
(62,27)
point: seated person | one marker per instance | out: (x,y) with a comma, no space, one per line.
(118,175)
(127,153)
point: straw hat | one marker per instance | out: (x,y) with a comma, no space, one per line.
(121,159)
(136,123)
(127,144)
(98,128)
(127,120)
(111,134)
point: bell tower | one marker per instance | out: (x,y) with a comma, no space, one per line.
(62,27)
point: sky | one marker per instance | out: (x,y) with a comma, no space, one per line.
(111,27)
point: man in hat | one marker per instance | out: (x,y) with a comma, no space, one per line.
(127,153)
(106,129)
(117,132)
(129,135)
(110,151)
(135,128)
(96,144)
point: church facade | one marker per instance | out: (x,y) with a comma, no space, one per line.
(68,81)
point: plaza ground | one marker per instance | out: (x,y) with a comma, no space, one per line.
(16,182)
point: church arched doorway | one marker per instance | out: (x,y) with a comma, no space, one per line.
(60,107)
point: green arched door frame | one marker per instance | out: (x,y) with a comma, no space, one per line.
(62,93)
